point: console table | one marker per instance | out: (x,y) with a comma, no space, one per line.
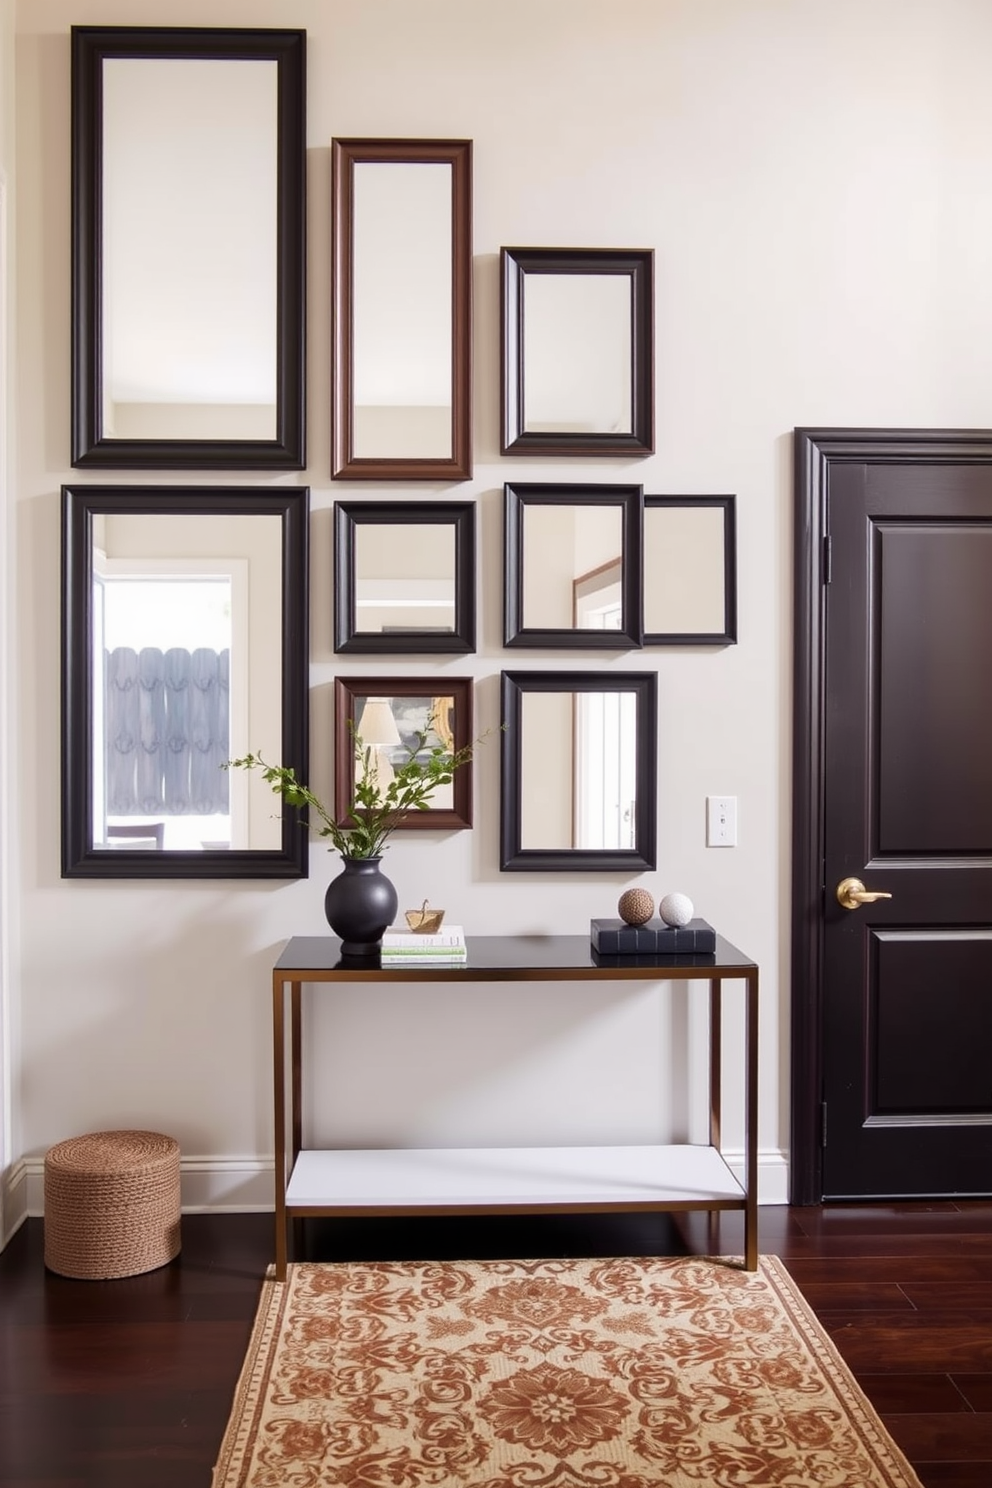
(538,1180)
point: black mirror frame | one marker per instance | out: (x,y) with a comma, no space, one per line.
(351,514)
(728,635)
(514,858)
(80,504)
(459,689)
(345,155)
(516,498)
(90,448)
(515,264)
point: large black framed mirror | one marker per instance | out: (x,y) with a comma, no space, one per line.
(577,351)
(404,576)
(188,248)
(184,644)
(401,280)
(572,565)
(690,571)
(578,762)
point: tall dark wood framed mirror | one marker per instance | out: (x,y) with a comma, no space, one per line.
(404,576)
(572,565)
(402,293)
(188,248)
(579,760)
(577,351)
(690,571)
(168,671)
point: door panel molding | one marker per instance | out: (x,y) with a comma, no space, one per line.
(822,456)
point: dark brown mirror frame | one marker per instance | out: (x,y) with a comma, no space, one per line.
(516,498)
(515,265)
(349,515)
(346,692)
(80,506)
(345,155)
(727,635)
(91,45)
(514,857)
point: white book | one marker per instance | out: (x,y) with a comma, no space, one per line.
(395,938)
(437,953)
(424,961)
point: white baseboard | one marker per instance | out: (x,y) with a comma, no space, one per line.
(244,1185)
(13,1200)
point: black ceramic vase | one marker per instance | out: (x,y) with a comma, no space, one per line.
(360,904)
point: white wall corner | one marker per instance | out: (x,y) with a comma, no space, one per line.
(13,1200)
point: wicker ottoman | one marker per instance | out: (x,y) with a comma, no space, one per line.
(111,1204)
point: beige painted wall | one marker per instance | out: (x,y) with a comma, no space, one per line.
(812,178)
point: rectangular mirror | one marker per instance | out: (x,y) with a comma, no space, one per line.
(404,576)
(690,571)
(184,641)
(572,561)
(578,762)
(577,351)
(402,294)
(389,714)
(188,247)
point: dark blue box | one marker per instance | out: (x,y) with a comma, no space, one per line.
(615,938)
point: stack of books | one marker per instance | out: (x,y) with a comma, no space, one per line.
(445,947)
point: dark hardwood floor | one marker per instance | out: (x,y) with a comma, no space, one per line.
(128,1384)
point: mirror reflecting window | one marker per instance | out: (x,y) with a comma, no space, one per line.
(401,270)
(185,646)
(579,760)
(404,576)
(578,351)
(690,566)
(391,716)
(573,565)
(188,247)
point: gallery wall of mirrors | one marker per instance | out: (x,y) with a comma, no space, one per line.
(188,352)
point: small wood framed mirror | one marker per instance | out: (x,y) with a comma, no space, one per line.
(577,351)
(404,576)
(401,267)
(572,556)
(690,571)
(578,772)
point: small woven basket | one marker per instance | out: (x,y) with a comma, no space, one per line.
(111,1204)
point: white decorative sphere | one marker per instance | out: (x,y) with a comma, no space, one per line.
(676,909)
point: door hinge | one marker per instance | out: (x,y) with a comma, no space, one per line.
(828,550)
(823,1123)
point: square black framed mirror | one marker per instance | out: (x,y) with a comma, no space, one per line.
(690,571)
(168,671)
(578,761)
(577,351)
(188,248)
(404,576)
(572,565)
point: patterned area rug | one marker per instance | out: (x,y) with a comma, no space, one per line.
(608,1373)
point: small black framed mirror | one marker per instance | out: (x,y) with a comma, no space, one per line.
(168,671)
(572,562)
(188,248)
(578,789)
(401,286)
(690,571)
(404,576)
(577,351)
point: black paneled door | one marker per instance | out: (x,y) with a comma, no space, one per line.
(903,728)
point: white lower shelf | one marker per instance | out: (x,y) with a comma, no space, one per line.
(463,1178)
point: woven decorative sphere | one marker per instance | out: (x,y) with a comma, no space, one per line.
(635,906)
(676,909)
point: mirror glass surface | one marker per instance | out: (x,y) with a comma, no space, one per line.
(405,579)
(401,268)
(573,557)
(689,570)
(402,309)
(188,247)
(577,354)
(181,622)
(578,761)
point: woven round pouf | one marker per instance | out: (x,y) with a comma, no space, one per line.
(111,1204)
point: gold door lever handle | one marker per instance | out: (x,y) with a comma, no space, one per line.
(851,894)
